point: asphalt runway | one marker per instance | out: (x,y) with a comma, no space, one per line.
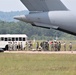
(42,52)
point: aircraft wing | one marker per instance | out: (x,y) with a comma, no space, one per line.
(44,5)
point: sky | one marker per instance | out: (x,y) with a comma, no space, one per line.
(11,5)
(16,5)
(70,4)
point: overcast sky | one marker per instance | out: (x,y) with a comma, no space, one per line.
(11,5)
(16,5)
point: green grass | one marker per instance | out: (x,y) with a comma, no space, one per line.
(37,64)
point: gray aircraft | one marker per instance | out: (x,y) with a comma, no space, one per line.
(54,14)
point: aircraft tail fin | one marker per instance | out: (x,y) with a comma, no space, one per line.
(44,5)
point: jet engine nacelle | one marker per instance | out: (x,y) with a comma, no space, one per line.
(35,17)
(61,20)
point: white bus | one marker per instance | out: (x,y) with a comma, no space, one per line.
(12,41)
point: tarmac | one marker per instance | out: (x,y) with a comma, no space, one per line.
(42,52)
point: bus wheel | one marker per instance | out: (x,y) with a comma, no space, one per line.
(6,47)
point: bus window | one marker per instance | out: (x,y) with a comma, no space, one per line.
(13,39)
(24,39)
(6,39)
(20,39)
(16,39)
(2,39)
(9,39)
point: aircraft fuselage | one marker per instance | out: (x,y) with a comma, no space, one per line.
(61,20)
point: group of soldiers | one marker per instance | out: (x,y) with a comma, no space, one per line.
(44,46)
(38,46)
(70,46)
(55,46)
(14,46)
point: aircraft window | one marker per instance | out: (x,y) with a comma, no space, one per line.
(20,39)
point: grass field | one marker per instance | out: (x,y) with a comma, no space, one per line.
(37,64)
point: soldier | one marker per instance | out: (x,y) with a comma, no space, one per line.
(30,45)
(10,46)
(56,46)
(21,46)
(59,46)
(14,46)
(41,45)
(64,46)
(26,45)
(70,46)
(18,46)
(37,45)
(46,45)
(52,46)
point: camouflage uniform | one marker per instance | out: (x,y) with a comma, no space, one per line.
(52,46)
(59,46)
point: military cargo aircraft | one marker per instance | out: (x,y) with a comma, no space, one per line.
(55,14)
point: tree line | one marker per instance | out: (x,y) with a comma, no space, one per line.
(31,31)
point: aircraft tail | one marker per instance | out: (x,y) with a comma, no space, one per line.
(44,5)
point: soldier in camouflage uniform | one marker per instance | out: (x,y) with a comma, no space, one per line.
(59,46)
(52,46)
